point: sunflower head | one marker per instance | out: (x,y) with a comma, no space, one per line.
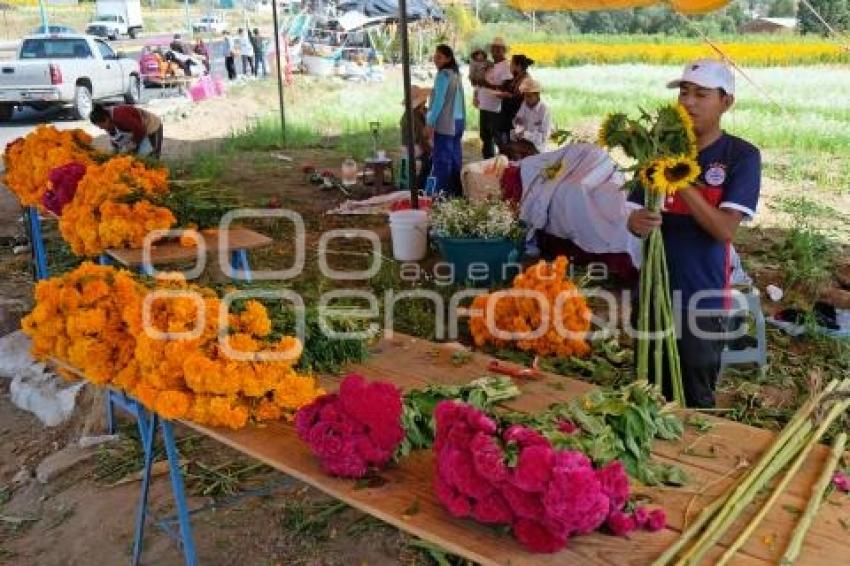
(670,174)
(688,125)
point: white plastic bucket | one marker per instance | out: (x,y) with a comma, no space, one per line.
(409,230)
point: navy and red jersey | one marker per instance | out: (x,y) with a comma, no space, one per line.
(730,179)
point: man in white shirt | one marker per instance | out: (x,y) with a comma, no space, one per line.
(493,131)
(533,122)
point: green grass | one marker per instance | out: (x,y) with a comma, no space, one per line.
(802,123)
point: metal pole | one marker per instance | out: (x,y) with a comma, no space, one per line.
(279,66)
(43,12)
(188,19)
(408,107)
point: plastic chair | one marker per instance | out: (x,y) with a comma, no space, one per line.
(757,354)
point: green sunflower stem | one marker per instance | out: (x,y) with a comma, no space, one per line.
(659,324)
(675,363)
(643,312)
(815,500)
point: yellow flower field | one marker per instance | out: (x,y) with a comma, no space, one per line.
(750,54)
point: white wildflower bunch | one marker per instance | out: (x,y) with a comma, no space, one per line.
(458,218)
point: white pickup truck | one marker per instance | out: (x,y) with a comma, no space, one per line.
(66,70)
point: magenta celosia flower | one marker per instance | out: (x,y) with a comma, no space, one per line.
(567,427)
(534,468)
(537,538)
(524,436)
(456,503)
(841,481)
(488,458)
(346,463)
(547,496)
(63,186)
(657,520)
(358,428)
(615,484)
(460,471)
(523,503)
(575,498)
(641,516)
(492,510)
(620,523)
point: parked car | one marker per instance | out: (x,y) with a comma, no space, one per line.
(70,70)
(210,24)
(52,29)
(116,18)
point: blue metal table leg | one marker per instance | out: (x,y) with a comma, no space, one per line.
(37,243)
(239,260)
(110,414)
(179,492)
(147,441)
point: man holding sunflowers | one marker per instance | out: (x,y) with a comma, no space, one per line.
(698,223)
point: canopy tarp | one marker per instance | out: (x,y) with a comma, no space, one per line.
(682,6)
(416,9)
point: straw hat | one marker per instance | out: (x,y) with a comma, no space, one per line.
(418,95)
(499,42)
(530,85)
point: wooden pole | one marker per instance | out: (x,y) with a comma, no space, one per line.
(408,108)
(280,64)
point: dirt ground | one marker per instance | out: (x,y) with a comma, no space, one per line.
(81,518)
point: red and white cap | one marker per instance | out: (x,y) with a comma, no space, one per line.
(707,73)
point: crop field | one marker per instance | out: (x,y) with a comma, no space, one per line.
(751,54)
(799,116)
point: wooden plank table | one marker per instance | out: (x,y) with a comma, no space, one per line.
(238,239)
(711,460)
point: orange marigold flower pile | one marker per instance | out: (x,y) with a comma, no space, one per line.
(28,160)
(170,359)
(78,319)
(97,219)
(522,313)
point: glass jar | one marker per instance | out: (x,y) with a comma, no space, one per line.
(349,172)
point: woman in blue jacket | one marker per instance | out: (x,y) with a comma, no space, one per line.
(446,120)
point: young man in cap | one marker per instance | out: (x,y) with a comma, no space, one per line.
(493,130)
(699,223)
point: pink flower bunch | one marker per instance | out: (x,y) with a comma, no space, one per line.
(63,185)
(355,430)
(841,481)
(546,497)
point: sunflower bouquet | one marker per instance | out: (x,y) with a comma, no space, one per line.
(663,148)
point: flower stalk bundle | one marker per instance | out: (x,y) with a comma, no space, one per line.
(92,319)
(792,446)
(522,312)
(815,501)
(663,148)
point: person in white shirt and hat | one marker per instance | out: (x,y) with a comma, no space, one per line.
(493,131)
(533,122)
